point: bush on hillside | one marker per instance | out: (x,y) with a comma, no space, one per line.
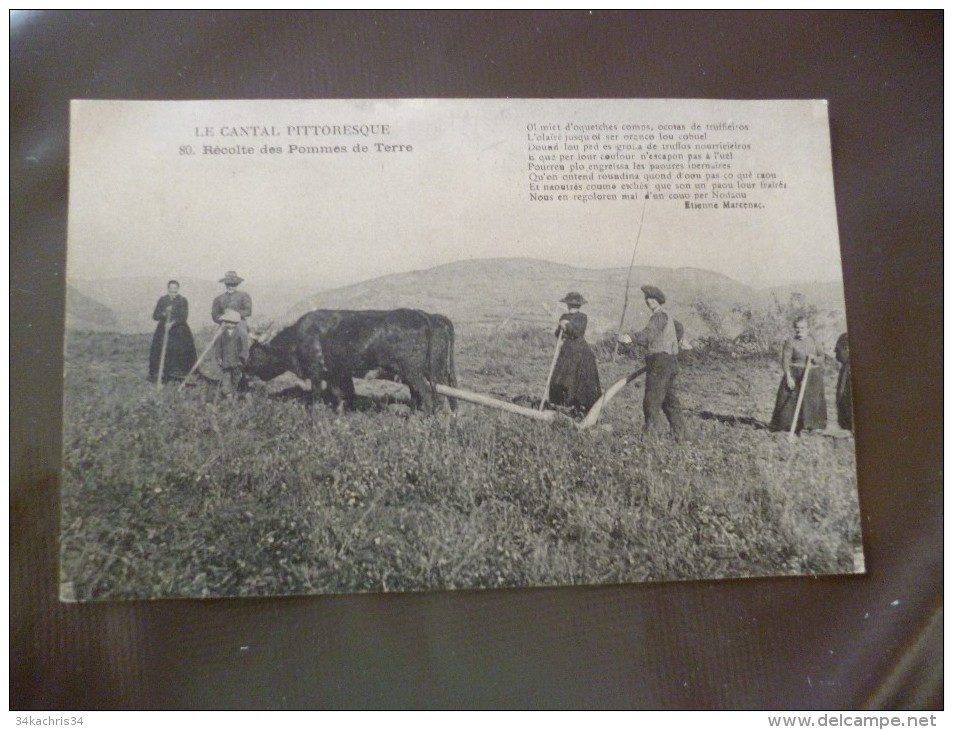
(763,331)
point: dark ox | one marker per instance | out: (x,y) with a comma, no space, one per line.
(334,346)
(442,368)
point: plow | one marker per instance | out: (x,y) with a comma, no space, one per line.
(538,413)
(590,419)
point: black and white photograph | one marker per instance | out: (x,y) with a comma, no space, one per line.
(373,346)
(342,379)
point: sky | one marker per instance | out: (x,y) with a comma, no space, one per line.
(338,191)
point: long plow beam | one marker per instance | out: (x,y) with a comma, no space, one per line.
(588,422)
(483,400)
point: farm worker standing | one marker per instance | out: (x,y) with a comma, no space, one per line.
(172,312)
(801,353)
(575,379)
(845,401)
(660,337)
(237,301)
(231,352)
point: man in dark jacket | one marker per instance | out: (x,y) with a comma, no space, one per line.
(660,337)
(237,301)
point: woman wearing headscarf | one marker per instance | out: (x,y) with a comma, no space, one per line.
(575,379)
(801,354)
(172,313)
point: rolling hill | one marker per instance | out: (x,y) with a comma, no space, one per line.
(86,314)
(492,293)
(479,295)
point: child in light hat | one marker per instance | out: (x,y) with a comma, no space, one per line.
(231,352)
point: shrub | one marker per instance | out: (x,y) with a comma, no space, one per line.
(764,331)
(711,317)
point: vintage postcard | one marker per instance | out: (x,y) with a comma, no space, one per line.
(402,345)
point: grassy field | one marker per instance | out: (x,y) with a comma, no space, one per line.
(178,494)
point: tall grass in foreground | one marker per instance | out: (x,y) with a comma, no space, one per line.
(167,495)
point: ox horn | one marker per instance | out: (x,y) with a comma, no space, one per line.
(263,332)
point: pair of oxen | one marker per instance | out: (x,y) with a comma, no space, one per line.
(331,347)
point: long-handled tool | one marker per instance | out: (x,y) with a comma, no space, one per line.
(592,417)
(800,400)
(628,279)
(201,357)
(552,367)
(165,344)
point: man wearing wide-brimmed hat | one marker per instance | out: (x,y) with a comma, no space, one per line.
(233,299)
(660,337)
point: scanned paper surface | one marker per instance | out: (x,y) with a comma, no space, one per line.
(386,345)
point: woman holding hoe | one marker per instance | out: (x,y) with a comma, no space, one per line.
(575,378)
(172,341)
(802,383)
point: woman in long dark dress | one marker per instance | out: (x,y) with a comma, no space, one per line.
(575,380)
(845,401)
(172,310)
(798,351)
